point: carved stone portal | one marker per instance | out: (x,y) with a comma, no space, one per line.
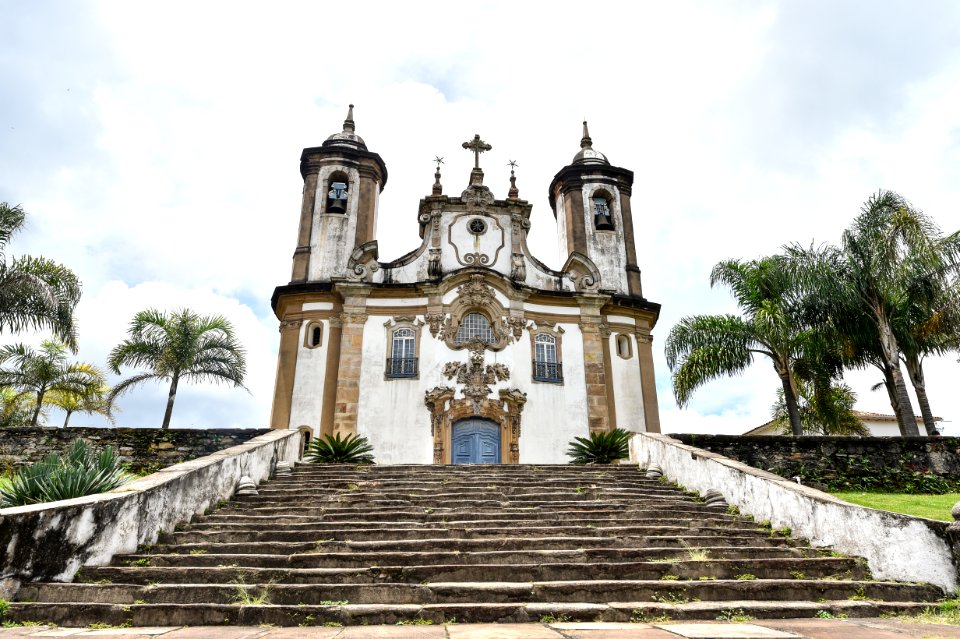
(445,411)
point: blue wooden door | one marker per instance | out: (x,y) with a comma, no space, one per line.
(476,441)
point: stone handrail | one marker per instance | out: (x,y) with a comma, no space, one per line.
(51,541)
(895,546)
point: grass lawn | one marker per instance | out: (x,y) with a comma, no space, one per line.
(929,506)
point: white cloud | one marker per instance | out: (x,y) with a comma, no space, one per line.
(168,174)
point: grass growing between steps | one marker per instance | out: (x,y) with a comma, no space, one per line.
(929,506)
(946,612)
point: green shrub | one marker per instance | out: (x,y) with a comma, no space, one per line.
(600,448)
(352,449)
(81,472)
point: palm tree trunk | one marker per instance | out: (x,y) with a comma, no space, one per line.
(170,399)
(915,371)
(36,411)
(790,398)
(67,420)
(903,408)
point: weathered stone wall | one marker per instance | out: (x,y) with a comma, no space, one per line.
(916,464)
(51,541)
(144,449)
(895,546)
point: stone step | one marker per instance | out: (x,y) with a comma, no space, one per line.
(293,522)
(680,568)
(447,531)
(687,539)
(316,559)
(305,483)
(582,591)
(155,615)
(491,511)
(566,502)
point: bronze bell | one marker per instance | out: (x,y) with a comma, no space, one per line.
(337,198)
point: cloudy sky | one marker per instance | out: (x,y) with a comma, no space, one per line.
(155,146)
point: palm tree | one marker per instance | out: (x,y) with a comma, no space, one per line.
(34,291)
(826,408)
(38,373)
(15,408)
(892,256)
(91,400)
(180,346)
(704,347)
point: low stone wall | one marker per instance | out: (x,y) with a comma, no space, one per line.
(51,541)
(895,546)
(145,450)
(915,464)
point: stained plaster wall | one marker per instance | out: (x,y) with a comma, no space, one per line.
(606,248)
(333,234)
(50,542)
(393,416)
(307,401)
(895,546)
(627,391)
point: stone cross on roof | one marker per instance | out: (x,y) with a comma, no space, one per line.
(478,146)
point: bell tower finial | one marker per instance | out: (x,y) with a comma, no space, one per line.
(585,141)
(348,125)
(437,187)
(514,192)
(478,146)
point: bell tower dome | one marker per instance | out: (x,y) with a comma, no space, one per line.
(342,182)
(590,199)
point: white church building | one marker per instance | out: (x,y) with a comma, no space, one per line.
(468,349)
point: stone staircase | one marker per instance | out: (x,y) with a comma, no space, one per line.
(332,545)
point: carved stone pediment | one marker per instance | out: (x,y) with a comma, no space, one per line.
(475,377)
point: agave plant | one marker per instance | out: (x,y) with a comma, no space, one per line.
(600,448)
(331,449)
(82,471)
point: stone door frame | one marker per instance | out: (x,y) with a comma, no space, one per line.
(445,410)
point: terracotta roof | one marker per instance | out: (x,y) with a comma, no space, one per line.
(863,415)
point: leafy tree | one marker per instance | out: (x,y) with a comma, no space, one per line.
(15,408)
(35,293)
(181,346)
(91,400)
(826,408)
(704,347)
(39,372)
(887,275)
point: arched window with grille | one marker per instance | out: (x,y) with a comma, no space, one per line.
(474,325)
(546,363)
(403,353)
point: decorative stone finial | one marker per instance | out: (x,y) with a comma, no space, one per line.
(478,146)
(246,486)
(585,141)
(348,124)
(437,187)
(714,499)
(654,471)
(514,192)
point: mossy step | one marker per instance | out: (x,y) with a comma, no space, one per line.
(79,615)
(679,568)
(244,522)
(446,531)
(586,591)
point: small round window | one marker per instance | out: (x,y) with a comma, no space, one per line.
(477,226)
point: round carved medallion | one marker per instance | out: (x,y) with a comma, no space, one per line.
(477,226)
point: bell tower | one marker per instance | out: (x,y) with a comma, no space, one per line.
(342,182)
(590,199)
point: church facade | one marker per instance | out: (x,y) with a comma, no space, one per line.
(468,349)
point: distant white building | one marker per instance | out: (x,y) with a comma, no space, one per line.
(468,349)
(877,424)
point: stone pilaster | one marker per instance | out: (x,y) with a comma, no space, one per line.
(286,370)
(301,256)
(353,317)
(648,382)
(595,374)
(328,407)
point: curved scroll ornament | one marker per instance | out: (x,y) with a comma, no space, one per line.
(581,270)
(363,262)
